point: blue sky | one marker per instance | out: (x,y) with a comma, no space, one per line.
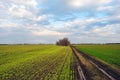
(46,21)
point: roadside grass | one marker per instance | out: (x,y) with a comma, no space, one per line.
(33,62)
(107,53)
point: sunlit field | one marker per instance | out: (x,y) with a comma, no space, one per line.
(33,62)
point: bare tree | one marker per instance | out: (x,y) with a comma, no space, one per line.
(63,42)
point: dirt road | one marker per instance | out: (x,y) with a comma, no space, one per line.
(89,68)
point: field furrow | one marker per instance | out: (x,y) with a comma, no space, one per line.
(35,62)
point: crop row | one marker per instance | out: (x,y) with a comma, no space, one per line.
(37,63)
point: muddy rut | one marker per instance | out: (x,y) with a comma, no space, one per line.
(88,68)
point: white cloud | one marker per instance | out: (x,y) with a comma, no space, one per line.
(42,17)
(24,2)
(101,8)
(2,6)
(20,11)
(28,19)
(102,2)
(104,31)
(48,33)
(7,25)
(86,3)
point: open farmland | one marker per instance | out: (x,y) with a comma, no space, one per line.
(35,62)
(51,62)
(108,53)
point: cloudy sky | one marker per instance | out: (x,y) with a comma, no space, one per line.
(45,21)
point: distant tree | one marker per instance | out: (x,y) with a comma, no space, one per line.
(63,42)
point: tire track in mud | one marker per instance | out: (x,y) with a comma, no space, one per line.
(79,69)
(93,69)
